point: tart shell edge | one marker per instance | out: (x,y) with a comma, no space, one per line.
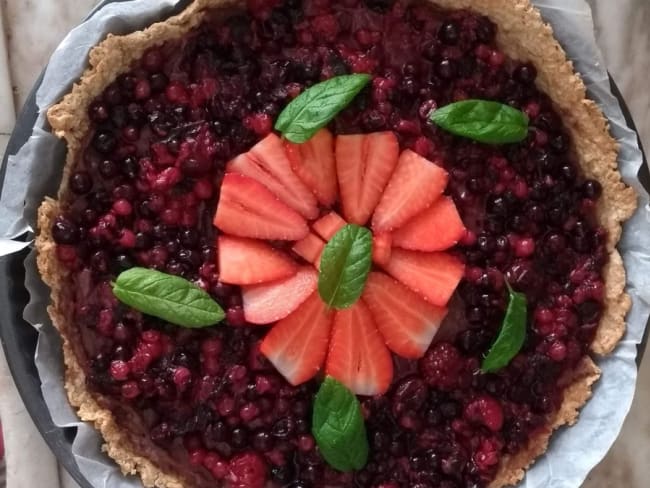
(522,34)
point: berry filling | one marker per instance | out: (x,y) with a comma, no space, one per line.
(180,158)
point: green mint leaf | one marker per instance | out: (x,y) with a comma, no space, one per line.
(167,297)
(344,266)
(511,336)
(314,108)
(338,427)
(483,121)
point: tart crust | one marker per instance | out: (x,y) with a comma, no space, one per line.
(523,35)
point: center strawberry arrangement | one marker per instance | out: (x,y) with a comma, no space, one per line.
(282,204)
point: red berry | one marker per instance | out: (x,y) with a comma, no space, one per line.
(557,351)
(127,238)
(142,90)
(248,412)
(442,366)
(197,457)
(67,254)
(119,370)
(122,207)
(246,470)
(525,247)
(130,390)
(203,189)
(487,456)
(177,93)
(261,124)
(486,411)
(182,376)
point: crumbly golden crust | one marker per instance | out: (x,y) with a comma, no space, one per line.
(522,35)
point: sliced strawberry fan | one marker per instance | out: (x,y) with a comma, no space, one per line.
(275,192)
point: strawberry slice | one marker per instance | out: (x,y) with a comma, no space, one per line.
(437,228)
(364,163)
(270,302)
(433,275)
(267,163)
(328,225)
(358,356)
(297,345)
(248,209)
(310,248)
(381,248)
(414,186)
(313,162)
(407,322)
(250,262)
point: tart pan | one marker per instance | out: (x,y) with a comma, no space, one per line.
(19,339)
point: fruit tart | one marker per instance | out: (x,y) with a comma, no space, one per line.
(334,243)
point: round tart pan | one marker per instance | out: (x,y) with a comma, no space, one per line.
(19,338)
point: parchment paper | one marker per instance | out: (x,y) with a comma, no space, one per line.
(573,452)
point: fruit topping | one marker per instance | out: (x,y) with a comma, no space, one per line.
(433,276)
(267,162)
(248,209)
(310,249)
(398,315)
(407,321)
(435,229)
(269,302)
(249,262)
(402,317)
(297,345)
(381,248)
(313,162)
(328,225)
(246,470)
(364,164)
(485,410)
(358,356)
(414,186)
(442,366)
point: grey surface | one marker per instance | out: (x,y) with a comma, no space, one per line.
(625,42)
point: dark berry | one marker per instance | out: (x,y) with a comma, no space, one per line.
(65,232)
(104,142)
(80,182)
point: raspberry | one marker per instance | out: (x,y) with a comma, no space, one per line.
(487,455)
(485,410)
(246,471)
(442,366)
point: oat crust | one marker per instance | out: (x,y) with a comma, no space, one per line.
(522,35)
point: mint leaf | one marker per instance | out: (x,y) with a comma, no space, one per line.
(344,266)
(338,427)
(483,121)
(167,297)
(511,336)
(314,108)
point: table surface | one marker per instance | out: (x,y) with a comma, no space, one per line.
(33,28)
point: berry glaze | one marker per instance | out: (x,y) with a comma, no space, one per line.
(145,192)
